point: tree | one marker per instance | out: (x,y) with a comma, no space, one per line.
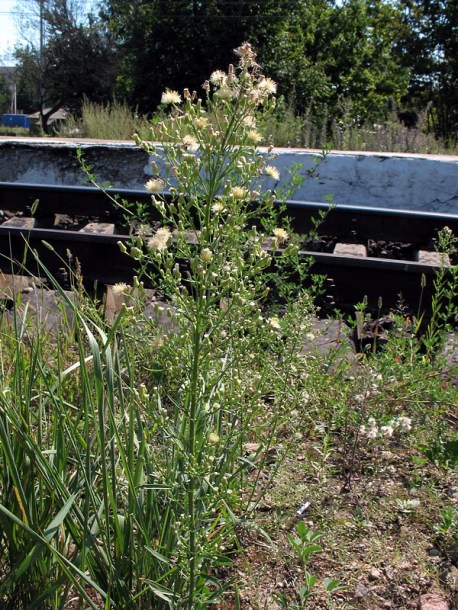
(177,43)
(298,59)
(73,61)
(430,49)
(319,51)
(28,78)
(78,60)
(5,95)
(365,66)
(333,56)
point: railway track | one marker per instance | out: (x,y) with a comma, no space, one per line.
(379,255)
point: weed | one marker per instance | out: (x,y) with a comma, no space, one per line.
(304,545)
(131,490)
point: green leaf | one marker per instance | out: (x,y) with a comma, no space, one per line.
(49,532)
(157,555)
(332,585)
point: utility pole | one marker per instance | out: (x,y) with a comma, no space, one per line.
(42,35)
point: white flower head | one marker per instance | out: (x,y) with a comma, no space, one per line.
(218,207)
(387,430)
(190,141)
(281,235)
(272,172)
(160,239)
(119,288)
(247,55)
(170,97)
(254,136)
(267,85)
(155,185)
(225,93)
(249,120)
(218,78)
(201,122)
(239,192)
(405,423)
(274,323)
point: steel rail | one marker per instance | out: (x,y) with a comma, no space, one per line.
(351,278)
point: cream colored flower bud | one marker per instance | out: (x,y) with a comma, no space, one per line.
(206,255)
(239,192)
(225,93)
(213,438)
(217,207)
(224,304)
(274,323)
(201,122)
(254,136)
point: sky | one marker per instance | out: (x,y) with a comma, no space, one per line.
(10,14)
(9,35)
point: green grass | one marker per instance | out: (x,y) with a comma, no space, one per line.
(93,500)
(114,121)
(282,128)
(14,131)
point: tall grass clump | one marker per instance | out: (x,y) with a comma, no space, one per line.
(283,127)
(114,121)
(131,457)
(287,128)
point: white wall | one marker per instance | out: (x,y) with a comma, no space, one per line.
(421,182)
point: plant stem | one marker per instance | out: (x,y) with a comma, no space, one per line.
(191,449)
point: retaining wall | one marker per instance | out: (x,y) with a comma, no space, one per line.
(416,182)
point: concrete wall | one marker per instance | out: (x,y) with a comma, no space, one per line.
(420,182)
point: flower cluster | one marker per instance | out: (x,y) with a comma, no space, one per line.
(250,82)
(372,430)
(160,240)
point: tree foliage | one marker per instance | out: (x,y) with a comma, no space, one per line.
(329,53)
(5,95)
(352,59)
(75,61)
(318,50)
(430,50)
(177,43)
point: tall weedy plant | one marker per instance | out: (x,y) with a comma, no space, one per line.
(142,448)
(214,254)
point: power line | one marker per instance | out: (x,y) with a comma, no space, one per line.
(16,13)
